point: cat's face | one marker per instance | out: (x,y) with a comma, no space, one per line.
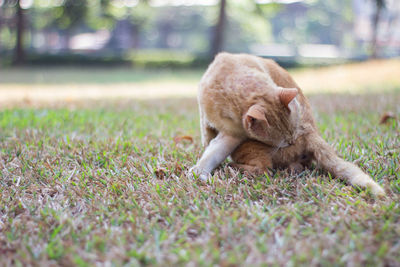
(273,120)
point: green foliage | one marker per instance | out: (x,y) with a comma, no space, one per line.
(243,31)
(149,59)
(70,14)
(8,37)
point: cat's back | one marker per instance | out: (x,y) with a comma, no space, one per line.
(234,79)
(228,69)
(243,76)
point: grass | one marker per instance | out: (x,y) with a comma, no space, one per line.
(103,183)
(99,75)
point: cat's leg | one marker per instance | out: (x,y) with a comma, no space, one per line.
(327,158)
(296,167)
(207,133)
(250,169)
(252,157)
(216,152)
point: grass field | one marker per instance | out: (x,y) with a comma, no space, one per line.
(102,182)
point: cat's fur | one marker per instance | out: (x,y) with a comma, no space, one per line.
(252,107)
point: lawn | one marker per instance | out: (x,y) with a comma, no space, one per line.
(100,182)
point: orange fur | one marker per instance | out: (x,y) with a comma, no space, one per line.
(251,108)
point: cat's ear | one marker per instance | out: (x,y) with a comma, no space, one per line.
(255,120)
(286,95)
(255,112)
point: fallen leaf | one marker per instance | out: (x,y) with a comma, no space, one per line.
(27,100)
(179,139)
(192,233)
(178,168)
(160,173)
(386,116)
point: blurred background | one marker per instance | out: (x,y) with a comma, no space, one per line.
(72,50)
(188,33)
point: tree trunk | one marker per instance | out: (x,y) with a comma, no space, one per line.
(375,29)
(1,24)
(19,53)
(67,40)
(219,30)
(165,31)
(135,36)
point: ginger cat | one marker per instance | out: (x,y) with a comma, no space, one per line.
(251,107)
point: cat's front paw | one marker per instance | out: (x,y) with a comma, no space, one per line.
(197,173)
(377,190)
(296,168)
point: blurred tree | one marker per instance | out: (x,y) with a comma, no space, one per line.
(316,22)
(100,15)
(218,39)
(69,15)
(19,54)
(140,15)
(379,5)
(241,32)
(188,33)
(136,15)
(13,17)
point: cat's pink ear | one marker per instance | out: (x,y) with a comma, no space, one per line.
(286,95)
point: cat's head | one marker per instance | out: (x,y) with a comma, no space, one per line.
(273,120)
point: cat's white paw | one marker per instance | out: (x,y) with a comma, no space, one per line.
(377,190)
(196,172)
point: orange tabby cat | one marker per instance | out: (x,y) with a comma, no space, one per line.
(252,107)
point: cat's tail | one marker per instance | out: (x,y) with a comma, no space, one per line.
(327,158)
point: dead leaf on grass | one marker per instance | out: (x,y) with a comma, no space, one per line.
(160,173)
(179,139)
(192,233)
(386,117)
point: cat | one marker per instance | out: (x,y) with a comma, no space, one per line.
(252,109)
